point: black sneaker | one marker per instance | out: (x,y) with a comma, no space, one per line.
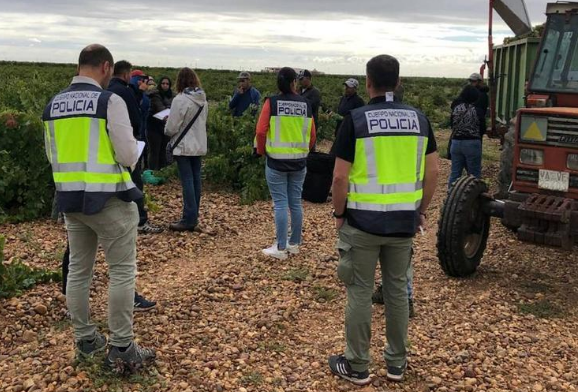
(377,297)
(130,360)
(141,304)
(182,226)
(148,228)
(88,348)
(341,367)
(395,373)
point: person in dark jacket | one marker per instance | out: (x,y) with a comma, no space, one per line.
(138,84)
(310,93)
(483,101)
(349,101)
(245,96)
(119,85)
(161,99)
(467,122)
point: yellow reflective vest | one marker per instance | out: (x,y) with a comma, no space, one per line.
(79,149)
(386,177)
(290,127)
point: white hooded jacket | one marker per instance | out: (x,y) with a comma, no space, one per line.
(184,107)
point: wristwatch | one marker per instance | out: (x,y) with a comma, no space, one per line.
(338,216)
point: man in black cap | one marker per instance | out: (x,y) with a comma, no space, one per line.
(310,93)
(349,101)
(477,81)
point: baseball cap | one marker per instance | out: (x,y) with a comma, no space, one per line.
(304,74)
(476,77)
(244,75)
(138,72)
(351,83)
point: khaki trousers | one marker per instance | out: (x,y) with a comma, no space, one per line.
(115,229)
(359,253)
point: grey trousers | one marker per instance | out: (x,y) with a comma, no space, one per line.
(115,229)
(359,253)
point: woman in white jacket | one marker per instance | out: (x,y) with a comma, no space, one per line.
(189,100)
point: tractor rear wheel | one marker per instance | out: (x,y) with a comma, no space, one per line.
(463,228)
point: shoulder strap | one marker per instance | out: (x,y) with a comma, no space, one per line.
(189,125)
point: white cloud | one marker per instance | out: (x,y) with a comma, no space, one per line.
(242,37)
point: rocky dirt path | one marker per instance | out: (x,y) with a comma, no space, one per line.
(231,320)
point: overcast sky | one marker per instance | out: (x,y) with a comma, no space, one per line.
(429,37)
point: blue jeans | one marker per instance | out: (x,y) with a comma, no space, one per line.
(286,189)
(466,154)
(190,174)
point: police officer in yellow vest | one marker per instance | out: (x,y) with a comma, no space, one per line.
(285,134)
(89,143)
(384,179)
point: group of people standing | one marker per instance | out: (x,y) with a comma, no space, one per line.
(145,102)
(384,179)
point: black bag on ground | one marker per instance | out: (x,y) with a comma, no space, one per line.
(319,177)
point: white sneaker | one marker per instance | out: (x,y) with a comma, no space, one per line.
(293,249)
(273,251)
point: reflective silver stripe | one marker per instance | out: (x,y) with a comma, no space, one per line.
(287,145)
(52,143)
(93,144)
(47,144)
(305,128)
(277,129)
(287,156)
(383,207)
(385,189)
(85,167)
(92,187)
(420,150)
(370,160)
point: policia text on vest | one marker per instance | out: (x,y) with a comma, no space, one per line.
(392,120)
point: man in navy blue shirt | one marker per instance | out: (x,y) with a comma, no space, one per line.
(245,96)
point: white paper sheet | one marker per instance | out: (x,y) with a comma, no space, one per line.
(141,147)
(162,114)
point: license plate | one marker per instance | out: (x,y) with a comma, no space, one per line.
(554,180)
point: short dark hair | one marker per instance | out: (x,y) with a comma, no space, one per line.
(94,55)
(285,78)
(470,94)
(383,71)
(187,78)
(122,67)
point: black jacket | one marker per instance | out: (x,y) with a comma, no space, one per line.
(467,124)
(313,96)
(121,88)
(158,104)
(347,104)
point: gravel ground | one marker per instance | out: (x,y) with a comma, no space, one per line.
(229,319)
